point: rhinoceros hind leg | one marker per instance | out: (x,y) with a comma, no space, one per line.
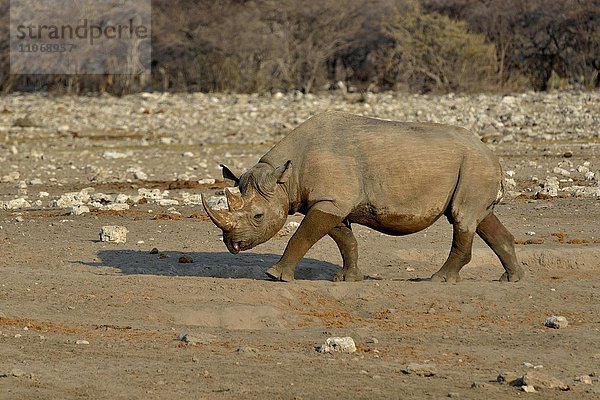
(319,221)
(460,255)
(501,241)
(346,242)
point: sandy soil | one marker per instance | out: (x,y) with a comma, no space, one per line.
(60,285)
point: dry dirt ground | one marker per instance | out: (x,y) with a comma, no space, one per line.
(81,318)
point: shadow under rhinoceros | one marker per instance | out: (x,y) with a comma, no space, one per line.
(205,264)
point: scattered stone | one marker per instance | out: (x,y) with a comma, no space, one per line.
(113,234)
(10,177)
(80,210)
(585,379)
(167,202)
(528,389)
(247,349)
(19,219)
(197,338)
(541,381)
(217,202)
(15,204)
(420,369)
(185,260)
(82,342)
(454,395)
(140,175)
(551,186)
(114,155)
(561,171)
(338,345)
(289,228)
(508,378)
(568,154)
(207,181)
(556,322)
(17,373)
(479,385)
(112,207)
(154,251)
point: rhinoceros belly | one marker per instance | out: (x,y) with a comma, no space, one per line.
(393,221)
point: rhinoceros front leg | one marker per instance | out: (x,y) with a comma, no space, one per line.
(346,242)
(318,222)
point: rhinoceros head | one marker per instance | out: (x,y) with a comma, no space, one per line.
(261,210)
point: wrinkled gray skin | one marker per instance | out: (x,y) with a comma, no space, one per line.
(395,177)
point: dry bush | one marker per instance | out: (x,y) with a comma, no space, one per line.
(266,45)
(431,52)
(543,40)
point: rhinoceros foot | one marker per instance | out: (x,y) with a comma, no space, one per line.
(280,273)
(445,277)
(515,276)
(349,275)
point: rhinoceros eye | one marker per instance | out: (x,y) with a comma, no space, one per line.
(258,217)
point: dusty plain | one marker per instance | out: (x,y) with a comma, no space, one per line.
(81,318)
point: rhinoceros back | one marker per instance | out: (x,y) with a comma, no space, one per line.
(371,167)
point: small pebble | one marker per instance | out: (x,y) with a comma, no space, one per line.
(556,322)
(185,260)
(81,341)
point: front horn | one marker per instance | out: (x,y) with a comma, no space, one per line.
(222,219)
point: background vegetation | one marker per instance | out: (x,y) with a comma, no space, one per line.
(309,45)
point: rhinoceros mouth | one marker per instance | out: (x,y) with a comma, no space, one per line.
(235,247)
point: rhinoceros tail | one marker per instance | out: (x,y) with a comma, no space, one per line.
(500,194)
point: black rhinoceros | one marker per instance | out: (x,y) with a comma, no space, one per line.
(395,177)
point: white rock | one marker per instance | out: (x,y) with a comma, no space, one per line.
(81,341)
(338,344)
(71,199)
(207,181)
(121,198)
(140,175)
(589,176)
(556,322)
(561,171)
(217,202)
(528,389)
(79,210)
(36,181)
(11,177)
(289,228)
(153,194)
(15,204)
(551,186)
(114,155)
(585,379)
(582,169)
(113,234)
(112,206)
(167,202)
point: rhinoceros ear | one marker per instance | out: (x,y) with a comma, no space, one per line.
(283,172)
(227,174)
